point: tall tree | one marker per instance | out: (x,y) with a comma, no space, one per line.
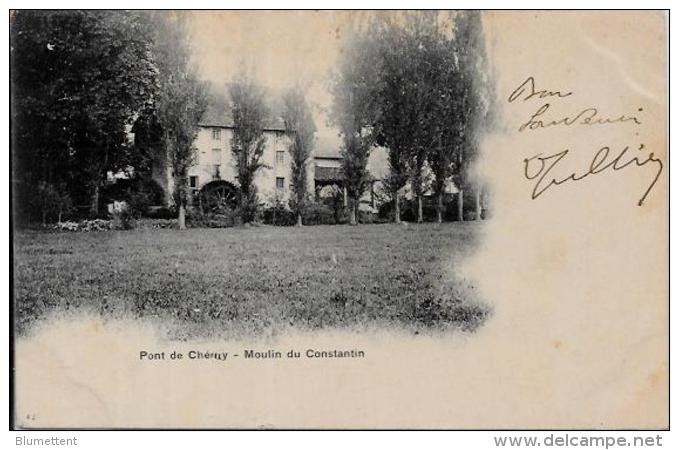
(78,79)
(395,120)
(450,115)
(180,103)
(410,69)
(300,127)
(476,98)
(149,144)
(353,111)
(425,41)
(432,99)
(248,142)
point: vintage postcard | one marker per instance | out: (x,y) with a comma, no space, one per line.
(340,219)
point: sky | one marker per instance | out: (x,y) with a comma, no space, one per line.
(278,48)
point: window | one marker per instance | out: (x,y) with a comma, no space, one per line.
(280,183)
(216,134)
(193,181)
(280,157)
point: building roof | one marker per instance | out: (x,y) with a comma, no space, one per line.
(218,114)
(328,174)
(272,125)
(334,174)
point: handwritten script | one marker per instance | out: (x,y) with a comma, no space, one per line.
(545,170)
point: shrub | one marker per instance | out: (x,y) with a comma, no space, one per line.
(366,217)
(224,219)
(123,219)
(139,193)
(429,206)
(279,215)
(82,212)
(66,226)
(195,218)
(313,214)
(227,219)
(335,202)
(53,202)
(84,225)
(386,210)
(96,225)
(138,203)
(318,214)
(154,224)
(162,213)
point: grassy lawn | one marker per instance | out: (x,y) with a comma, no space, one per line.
(259,280)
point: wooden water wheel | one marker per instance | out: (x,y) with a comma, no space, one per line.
(218,196)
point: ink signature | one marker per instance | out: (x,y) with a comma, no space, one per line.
(527,91)
(588,116)
(545,179)
(543,170)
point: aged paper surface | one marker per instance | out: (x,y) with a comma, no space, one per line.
(577,278)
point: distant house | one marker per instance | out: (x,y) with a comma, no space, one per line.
(327,164)
(212,178)
(328,176)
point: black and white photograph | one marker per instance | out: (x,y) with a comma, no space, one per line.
(296,219)
(263,173)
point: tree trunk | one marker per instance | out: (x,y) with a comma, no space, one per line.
(244,204)
(460,206)
(397,209)
(94,200)
(182,216)
(299,219)
(181,185)
(419,209)
(352,214)
(477,197)
(439,208)
(372,195)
